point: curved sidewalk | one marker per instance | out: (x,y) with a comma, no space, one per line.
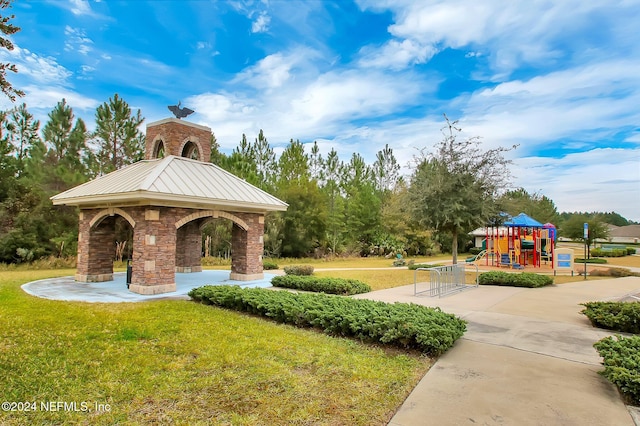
(527,358)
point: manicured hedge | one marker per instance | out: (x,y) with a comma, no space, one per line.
(400,324)
(269,265)
(597,260)
(614,272)
(523,279)
(622,364)
(598,252)
(321,284)
(298,270)
(423,265)
(617,316)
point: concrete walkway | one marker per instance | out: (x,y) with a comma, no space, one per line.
(527,358)
(66,288)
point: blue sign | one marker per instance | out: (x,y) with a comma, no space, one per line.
(586,231)
(564,256)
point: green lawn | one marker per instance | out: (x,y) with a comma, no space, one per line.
(180,362)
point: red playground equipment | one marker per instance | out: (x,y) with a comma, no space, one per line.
(519,242)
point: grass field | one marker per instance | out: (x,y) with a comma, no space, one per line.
(176,361)
(180,362)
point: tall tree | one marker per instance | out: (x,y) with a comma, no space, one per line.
(23,132)
(303,224)
(454,190)
(265,161)
(574,228)
(386,170)
(67,153)
(362,204)
(538,206)
(331,180)
(117,132)
(316,163)
(7,28)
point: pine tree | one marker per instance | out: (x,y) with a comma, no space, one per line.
(7,28)
(118,135)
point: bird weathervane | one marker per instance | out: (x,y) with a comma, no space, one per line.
(179,112)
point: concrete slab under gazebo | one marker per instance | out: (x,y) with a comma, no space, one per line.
(167,201)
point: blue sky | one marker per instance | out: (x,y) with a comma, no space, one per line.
(559,78)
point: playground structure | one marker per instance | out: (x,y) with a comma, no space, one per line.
(519,242)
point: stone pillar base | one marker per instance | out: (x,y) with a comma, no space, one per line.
(152,289)
(245,277)
(188,269)
(96,278)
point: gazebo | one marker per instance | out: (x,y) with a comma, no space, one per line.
(167,199)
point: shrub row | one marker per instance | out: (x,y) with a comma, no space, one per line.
(617,316)
(523,279)
(621,359)
(341,286)
(269,265)
(400,324)
(614,272)
(423,265)
(600,252)
(298,270)
(591,260)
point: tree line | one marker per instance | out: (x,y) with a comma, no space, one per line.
(336,206)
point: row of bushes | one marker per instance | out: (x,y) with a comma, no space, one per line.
(423,265)
(269,265)
(328,285)
(299,270)
(400,324)
(613,272)
(621,359)
(617,316)
(596,260)
(621,356)
(523,279)
(618,252)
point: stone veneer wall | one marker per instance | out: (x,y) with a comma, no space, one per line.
(96,249)
(247,248)
(189,248)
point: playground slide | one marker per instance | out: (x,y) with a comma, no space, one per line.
(477,257)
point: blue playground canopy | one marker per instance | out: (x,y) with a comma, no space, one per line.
(523,221)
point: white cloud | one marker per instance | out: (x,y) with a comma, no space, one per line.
(80,7)
(270,72)
(261,24)
(396,54)
(511,33)
(37,97)
(44,70)
(349,95)
(603,179)
(77,41)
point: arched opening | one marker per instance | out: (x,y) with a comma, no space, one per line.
(217,234)
(190,151)
(216,237)
(109,239)
(159,151)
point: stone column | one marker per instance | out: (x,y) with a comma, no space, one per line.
(96,248)
(154,251)
(189,248)
(247,247)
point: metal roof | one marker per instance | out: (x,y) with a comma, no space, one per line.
(171,181)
